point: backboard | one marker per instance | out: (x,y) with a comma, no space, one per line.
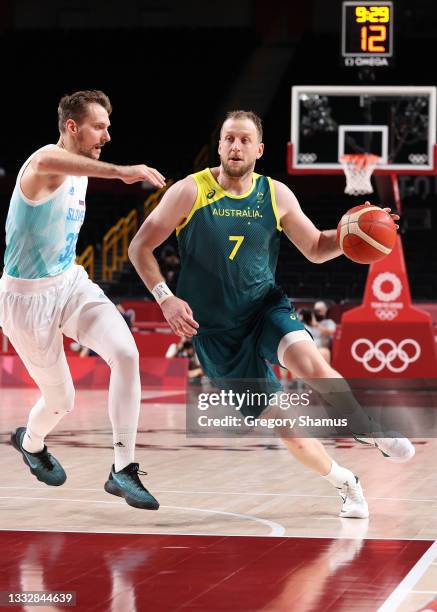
(396,123)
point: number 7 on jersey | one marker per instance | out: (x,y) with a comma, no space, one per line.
(238,240)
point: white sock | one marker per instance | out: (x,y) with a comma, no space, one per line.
(124,449)
(339,475)
(32,442)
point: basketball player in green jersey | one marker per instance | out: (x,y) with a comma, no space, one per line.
(228,222)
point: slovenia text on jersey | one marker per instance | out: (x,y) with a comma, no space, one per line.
(41,236)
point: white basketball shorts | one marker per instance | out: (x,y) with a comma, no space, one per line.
(35,313)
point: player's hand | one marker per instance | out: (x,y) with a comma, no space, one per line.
(134,174)
(394,216)
(179,316)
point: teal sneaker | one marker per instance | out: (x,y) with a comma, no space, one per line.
(126,483)
(42,465)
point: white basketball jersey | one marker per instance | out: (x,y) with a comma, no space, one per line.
(41,236)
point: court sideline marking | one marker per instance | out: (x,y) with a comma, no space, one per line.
(243,493)
(405,587)
(276,529)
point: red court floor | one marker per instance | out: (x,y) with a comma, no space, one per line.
(133,573)
(241,527)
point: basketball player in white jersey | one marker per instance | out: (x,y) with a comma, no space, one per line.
(44,294)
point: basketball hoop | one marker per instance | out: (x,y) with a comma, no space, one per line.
(358,169)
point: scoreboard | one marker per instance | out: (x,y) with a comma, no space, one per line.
(367,33)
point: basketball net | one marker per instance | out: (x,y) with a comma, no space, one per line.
(358,168)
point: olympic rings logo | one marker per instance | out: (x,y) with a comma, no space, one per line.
(386,357)
(417,158)
(387,296)
(307,158)
(386,315)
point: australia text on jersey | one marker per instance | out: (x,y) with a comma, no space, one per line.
(232,212)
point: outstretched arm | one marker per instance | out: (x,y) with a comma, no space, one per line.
(174,207)
(57,161)
(48,168)
(317,246)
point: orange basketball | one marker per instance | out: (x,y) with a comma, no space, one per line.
(366,233)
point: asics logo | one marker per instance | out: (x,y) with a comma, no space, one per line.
(385,354)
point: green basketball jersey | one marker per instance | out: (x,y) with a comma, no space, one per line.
(229,248)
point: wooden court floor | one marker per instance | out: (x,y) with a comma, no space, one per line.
(221,489)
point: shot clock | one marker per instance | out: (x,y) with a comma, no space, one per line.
(367,33)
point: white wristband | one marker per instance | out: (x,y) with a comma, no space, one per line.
(161,292)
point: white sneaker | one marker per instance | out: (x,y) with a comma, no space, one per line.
(397,449)
(354,502)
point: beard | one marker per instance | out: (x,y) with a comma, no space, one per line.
(90,153)
(85,149)
(236,171)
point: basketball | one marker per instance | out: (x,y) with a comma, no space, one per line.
(366,234)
